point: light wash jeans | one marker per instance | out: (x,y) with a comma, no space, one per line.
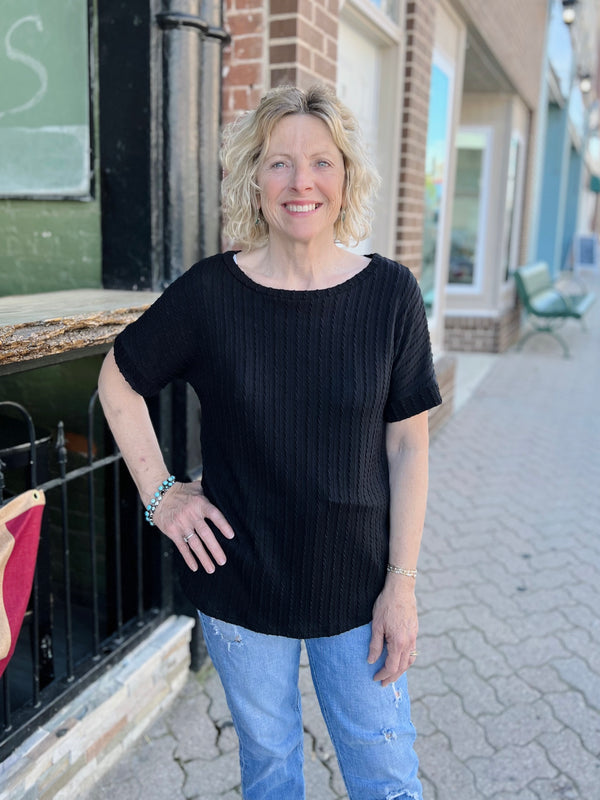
(370,726)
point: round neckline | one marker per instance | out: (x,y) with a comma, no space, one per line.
(244,278)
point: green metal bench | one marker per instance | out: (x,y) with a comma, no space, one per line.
(547,306)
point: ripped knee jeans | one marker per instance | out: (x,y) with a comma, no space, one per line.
(369,726)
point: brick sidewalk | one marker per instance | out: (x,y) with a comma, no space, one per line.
(506,690)
(506,696)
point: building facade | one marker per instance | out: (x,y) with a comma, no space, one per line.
(462,104)
(483,119)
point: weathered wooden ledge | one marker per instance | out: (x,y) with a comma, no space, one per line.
(39,329)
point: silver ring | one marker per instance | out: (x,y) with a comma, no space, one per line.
(188,537)
(414,653)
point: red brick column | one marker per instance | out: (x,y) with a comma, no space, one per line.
(244,63)
(294,42)
(420,27)
(303,42)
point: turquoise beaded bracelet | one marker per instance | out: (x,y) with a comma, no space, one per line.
(158,496)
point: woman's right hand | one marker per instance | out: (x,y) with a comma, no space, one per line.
(184,510)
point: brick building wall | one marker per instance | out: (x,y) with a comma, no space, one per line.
(286,41)
(295,41)
(303,42)
(482,334)
(420,28)
(244,60)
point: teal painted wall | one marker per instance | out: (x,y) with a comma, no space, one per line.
(553,189)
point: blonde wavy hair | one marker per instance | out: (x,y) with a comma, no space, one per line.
(246,140)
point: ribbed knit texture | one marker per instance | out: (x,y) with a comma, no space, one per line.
(295,389)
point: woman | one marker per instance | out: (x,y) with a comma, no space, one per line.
(314,372)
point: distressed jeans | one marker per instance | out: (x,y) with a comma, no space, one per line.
(370,726)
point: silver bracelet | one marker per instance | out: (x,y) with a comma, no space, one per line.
(158,496)
(410,573)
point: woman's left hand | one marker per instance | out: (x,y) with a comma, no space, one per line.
(395,626)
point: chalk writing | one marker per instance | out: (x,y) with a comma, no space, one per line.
(14,54)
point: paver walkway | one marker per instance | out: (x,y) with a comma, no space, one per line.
(506,689)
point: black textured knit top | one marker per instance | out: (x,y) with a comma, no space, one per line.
(295,389)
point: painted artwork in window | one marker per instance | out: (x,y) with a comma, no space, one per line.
(436,165)
(467,206)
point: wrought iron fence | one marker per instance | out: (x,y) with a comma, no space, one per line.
(100,582)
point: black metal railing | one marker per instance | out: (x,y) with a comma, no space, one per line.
(99,583)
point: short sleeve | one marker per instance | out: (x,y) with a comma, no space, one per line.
(413,384)
(159,345)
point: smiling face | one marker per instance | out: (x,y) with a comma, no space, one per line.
(301,180)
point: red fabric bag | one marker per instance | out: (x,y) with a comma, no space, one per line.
(20,523)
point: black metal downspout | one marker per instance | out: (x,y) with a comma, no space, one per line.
(192,40)
(191,45)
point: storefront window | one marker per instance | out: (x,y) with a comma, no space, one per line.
(467,222)
(436,167)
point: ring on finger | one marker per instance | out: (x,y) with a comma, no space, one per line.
(414,653)
(188,537)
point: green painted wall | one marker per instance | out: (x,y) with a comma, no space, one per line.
(59,392)
(47,246)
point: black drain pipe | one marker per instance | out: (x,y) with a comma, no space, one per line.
(159,70)
(192,40)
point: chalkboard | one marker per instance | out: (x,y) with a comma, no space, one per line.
(44,99)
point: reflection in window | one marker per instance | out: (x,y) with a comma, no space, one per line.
(435,178)
(470,151)
(510,222)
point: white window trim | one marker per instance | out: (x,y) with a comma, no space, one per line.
(378,27)
(517,214)
(382,27)
(482,222)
